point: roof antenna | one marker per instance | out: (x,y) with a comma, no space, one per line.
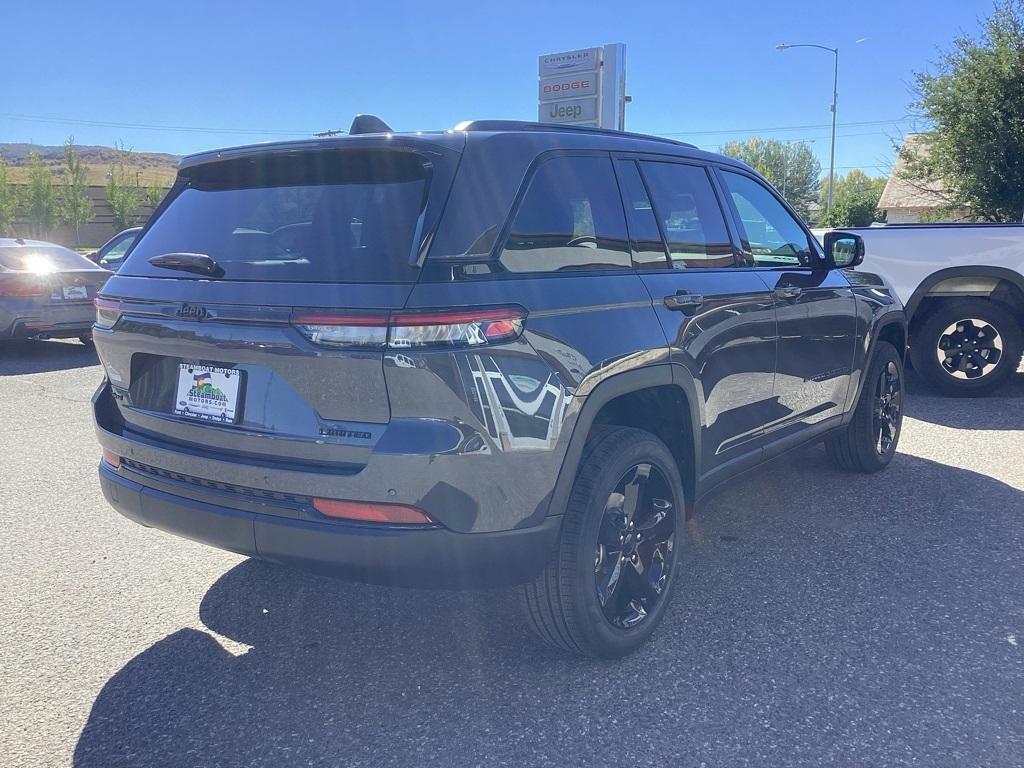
(368,124)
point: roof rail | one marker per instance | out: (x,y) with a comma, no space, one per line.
(524,125)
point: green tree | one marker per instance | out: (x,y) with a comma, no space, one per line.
(154,193)
(855,202)
(9,200)
(791,167)
(40,198)
(975,101)
(123,191)
(75,205)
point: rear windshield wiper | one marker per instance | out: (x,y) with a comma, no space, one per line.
(199,263)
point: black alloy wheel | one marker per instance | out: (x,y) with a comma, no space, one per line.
(888,406)
(969,348)
(868,442)
(635,546)
(610,579)
(966,347)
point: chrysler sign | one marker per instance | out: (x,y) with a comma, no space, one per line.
(583,60)
(584,87)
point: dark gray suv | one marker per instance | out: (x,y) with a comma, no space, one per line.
(508,353)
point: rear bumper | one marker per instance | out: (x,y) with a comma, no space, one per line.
(392,555)
(47,322)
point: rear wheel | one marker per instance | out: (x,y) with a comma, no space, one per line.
(610,578)
(967,347)
(868,443)
(86,338)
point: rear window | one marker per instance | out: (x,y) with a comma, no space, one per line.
(337,216)
(33,258)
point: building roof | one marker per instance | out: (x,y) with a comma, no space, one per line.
(901,192)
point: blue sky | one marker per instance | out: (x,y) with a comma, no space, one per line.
(707,72)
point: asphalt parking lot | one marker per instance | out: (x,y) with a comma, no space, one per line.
(825,619)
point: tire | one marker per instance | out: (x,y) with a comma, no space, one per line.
(562,604)
(862,445)
(941,333)
(86,338)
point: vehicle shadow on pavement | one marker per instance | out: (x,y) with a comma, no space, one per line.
(822,612)
(1002,410)
(18,358)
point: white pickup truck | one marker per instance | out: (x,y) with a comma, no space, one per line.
(963,289)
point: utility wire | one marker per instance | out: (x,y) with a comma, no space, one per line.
(151,127)
(282,132)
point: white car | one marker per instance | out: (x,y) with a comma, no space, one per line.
(963,289)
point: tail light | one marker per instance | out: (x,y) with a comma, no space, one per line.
(23,289)
(405,330)
(111,458)
(396,514)
(107,312)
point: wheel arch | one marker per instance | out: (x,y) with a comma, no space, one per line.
(1013,280)
(649,398)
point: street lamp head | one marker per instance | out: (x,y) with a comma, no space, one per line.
(781,47)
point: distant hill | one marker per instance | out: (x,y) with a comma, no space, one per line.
(152,167)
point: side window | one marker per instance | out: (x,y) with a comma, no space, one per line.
(570,219)
(690,215)
(648,247)
(119,248)
(775,238)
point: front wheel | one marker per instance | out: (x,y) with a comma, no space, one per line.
(868,443)
(610,578)
(967,347)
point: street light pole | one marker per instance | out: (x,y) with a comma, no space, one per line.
(832,153)
(835,99)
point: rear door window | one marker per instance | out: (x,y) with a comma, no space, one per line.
(341,216)
(570,219)
(689,215)
(645,236)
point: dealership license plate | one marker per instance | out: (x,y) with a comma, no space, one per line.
(208,392)
(72,293)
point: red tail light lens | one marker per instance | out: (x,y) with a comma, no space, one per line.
(23,289)
(111,458)
(405,330)
(455,329)
(107,312)
(395,514)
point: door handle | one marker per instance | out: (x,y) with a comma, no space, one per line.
(684,302)
(786,292)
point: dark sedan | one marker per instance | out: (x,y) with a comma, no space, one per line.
(46,291)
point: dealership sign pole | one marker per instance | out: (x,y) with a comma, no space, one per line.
(585,87)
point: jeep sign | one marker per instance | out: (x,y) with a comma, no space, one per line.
(583,87)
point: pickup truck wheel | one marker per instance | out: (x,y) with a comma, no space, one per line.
(967,347)
(868,443)
(610,578)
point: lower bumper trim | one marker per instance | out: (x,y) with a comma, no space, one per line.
(389,555)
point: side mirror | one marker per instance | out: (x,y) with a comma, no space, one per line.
(843,249)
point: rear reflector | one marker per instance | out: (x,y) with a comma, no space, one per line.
(107,312)
(404,330)
(372,513)
(111,458)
